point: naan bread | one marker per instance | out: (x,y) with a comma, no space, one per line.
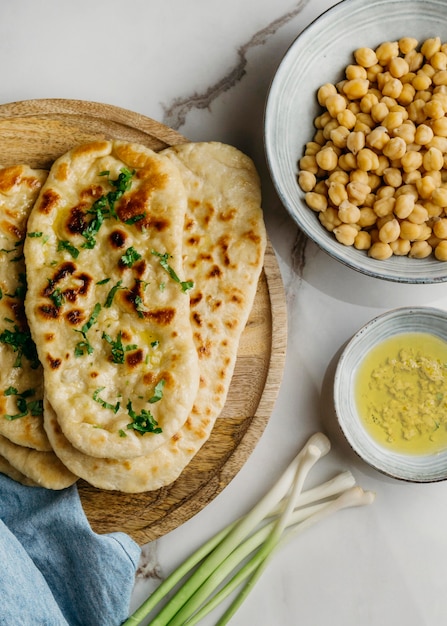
(117,355)
(9,470)
(43,468)
(21,376)
(224,242)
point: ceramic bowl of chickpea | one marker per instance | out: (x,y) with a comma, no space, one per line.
(356,136)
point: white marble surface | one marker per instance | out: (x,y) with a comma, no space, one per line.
(204,68)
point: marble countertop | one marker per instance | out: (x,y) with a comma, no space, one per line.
(204,67)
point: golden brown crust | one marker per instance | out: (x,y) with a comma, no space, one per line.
(76,319)
(20,373)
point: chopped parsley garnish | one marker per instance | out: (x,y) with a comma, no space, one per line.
(106,405)
(33,407)
(158,391)
(103,281)
(57,297)
(20,290)
(84,345)
(35,233)
(111,294)
(163,258)
(130,257)
(66,245)
(22,343)
(118,349)
(139,306)
(104,207)
(134,219)
(144,422)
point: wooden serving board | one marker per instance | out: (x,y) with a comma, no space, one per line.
(36,132)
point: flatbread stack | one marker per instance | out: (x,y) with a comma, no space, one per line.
(25,451)
(141,271)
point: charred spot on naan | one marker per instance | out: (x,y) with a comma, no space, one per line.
(117,238)
(49,201)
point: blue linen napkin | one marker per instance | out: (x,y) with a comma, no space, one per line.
(55,571)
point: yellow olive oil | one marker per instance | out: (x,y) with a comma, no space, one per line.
(401,393)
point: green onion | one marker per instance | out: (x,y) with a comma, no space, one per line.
(237,555)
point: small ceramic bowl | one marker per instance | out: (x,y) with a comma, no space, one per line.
(319,55)
(410,467)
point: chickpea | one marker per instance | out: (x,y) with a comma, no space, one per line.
(362,240)
(406,44)
(406,132)
(404,206)
(414,60)
(425,186)
(356,88)
(365,57)
(393,120)
(367,160)
(441,251)
(440,228)
(347,162)
(346,118)
(393,88)
(395,148)
(384,206)
(338,176)
(416,111)
(439,127)
(392,176)
(423,134)
(421,81)
(367,217)
(379,112)
(386,51)
(345,234)
(358,176)
(400,247)
(378,138)
(337,193)
(355,141)
(434,109)
(430,46)
(355,71)
(411,161)
(407,94)
(348,213)
(339,136)
(420,250)
(335,104)
(439,196)
(329,218)
(419,214)
(327,159)
(324,92)
(316,201)
(440,77)
(409,231)
(306,180)
(380,251)
(390,231)
(357,191)
(439,60)
(433,160)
